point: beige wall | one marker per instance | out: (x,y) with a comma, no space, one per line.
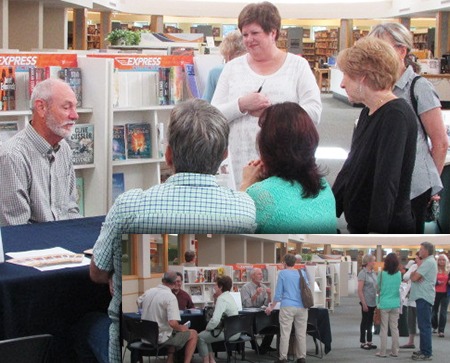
(24,34)
(55,28)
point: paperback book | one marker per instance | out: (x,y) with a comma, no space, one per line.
(138,141)
(82,144)
(7,89)
(191,81)
(163,86)
(72,76)
(118,143)
(118,185)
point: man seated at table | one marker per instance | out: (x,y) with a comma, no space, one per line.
(183,298)
(159,304)
(37,177)
(255,294)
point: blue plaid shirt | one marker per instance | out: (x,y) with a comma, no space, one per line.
(185,203)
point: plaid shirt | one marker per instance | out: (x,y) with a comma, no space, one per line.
(185,203)
(37,181)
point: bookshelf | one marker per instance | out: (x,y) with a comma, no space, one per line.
(309,52)
(326,44)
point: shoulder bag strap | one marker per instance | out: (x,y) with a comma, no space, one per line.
(414,101)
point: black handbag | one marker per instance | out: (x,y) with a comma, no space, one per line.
(306,293)
(208,312)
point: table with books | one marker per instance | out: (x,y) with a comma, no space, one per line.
(49,302)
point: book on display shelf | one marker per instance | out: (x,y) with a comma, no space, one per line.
(164,85)
(118,185)
(191,81)
(176,84)
(7,88)
(139,141)
(119,151)
(7,130)
(82,144)
(72,76)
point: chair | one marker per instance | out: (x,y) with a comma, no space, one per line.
(268,325)
(233,325)
(313,330)
(30,349)
(136,330)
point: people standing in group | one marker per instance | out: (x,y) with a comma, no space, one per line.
(388,283)
(264,76)
(224,305)
(255,294)
(232,46)
(290,192)
(159,304)
(37,177)
(373,187)
(183,298)
(423,293)
(292,311)
(439,319)
(412,310)
(367,293)
(432,140)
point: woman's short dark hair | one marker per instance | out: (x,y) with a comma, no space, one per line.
(289,259)
(391,263)
(264,14)
(287,144)
(225,283)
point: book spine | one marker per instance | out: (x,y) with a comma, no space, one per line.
(176,85)
(163,86)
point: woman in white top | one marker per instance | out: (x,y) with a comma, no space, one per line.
(265,75)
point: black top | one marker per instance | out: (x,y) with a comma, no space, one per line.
(373,187)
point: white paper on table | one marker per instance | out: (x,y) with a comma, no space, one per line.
(49,251)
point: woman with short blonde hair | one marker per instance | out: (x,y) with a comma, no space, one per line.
(439,316)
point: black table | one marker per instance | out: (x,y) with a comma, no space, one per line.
(35,302)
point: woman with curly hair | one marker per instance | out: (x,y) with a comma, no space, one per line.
(389,303)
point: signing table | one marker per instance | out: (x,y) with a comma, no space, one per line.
(35,302)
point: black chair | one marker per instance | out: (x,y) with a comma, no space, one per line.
(30,349)
(135,331)
(313,330)
(268,325)
(236,324)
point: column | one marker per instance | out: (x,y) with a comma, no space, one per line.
(442,36)
(327,249)
(379,254)
(405,22)
(4,24)
(346,34)
(105,28)
(55,18)
(79,29)
(157,24)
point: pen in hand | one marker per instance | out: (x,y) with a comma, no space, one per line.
(260,88)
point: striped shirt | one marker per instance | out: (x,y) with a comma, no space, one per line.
(37,181)
(185,203)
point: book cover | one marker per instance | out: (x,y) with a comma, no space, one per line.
(7,89)
(191,81)
(72,76)
(118,143)
(35,75)
(163,85)
(52,71)
(80,194)
(176,84)
(7,130)
(208,293)
(118,185)
(82,144)
(138,141)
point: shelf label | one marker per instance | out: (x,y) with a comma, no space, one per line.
(23,61)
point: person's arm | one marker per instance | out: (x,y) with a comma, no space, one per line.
(246,296)
(434,126)
(14,197)
(219,309)
(308,92)
(361,295)
(73,208)
(395,143)
(175,325)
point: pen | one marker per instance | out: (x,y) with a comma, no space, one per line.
(260,88)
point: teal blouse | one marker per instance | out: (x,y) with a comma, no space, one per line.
(280,208)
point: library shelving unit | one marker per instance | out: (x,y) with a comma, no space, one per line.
(326,44)
(309,52)
(94,77)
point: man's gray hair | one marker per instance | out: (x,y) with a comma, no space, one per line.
(169,277)
(198,136)
(429,247)
(44,91)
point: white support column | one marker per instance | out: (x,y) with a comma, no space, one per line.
(4,24)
